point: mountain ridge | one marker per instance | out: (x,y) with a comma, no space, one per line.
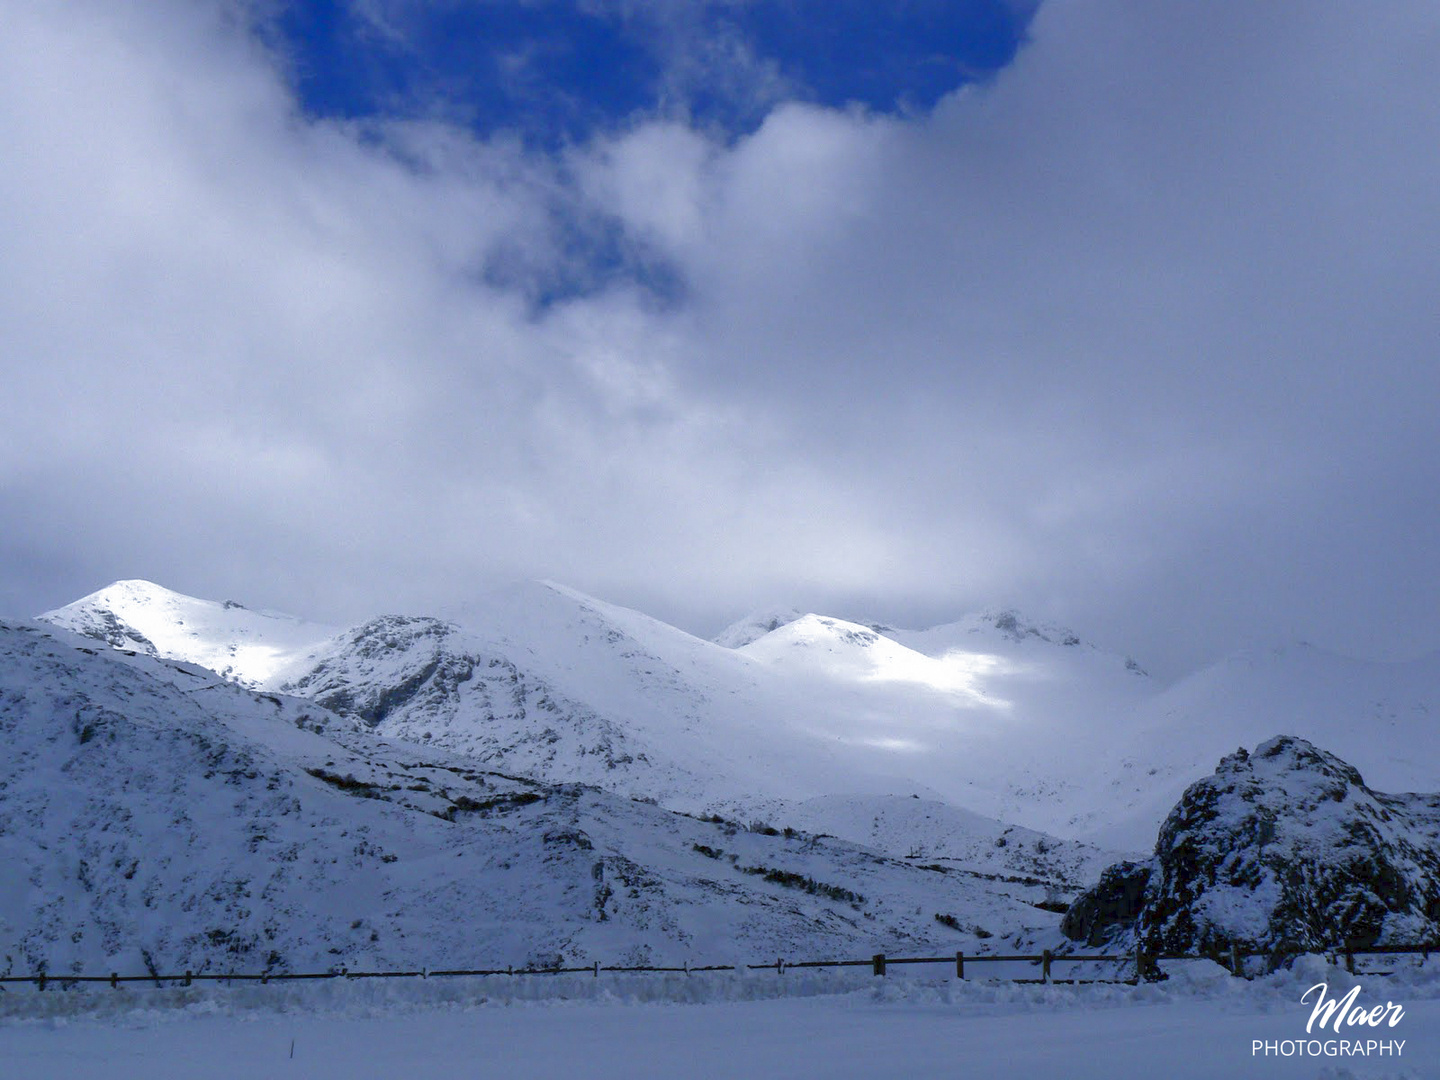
(153,815)
(1020,722)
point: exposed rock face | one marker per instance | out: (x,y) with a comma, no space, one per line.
(1110,907)
(108,627)
(411,655)
(1283,849)
(427,681)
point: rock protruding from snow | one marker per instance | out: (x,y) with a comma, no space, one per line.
(408,654)
(431,682)
(1017,628)
(1280,850)
(1110,907)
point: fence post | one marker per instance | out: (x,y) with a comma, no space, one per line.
(1045,966)
(114,981)
(1139,963)
(1236,966)
(959,965)
(42,981)
(780,967)
(1349,959)
(597,969)
(187,978)
(879,963)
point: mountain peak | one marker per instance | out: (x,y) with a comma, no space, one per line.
(244,645)
(129,590)
(756,625)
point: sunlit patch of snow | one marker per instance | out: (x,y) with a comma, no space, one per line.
(956,672)
(244,645)
(845,652)
(904,746)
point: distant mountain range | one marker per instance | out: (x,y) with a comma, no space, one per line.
(996,714)
(540,773)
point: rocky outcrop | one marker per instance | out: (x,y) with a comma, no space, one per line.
(108,627)
(1108,908)
(427,681)
(1283,849)
(409,664)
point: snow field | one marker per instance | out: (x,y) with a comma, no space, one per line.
(1199,1024)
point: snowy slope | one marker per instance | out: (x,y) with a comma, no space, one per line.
(971,714)
(152,815)
(1383,718)
(927,830)
(435,683)
(820,706)
(544,681)
(243,645)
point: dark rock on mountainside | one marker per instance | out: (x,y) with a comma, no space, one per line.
(1110,906)
(408,653)
(1281,850)
(428,681)
(114,631)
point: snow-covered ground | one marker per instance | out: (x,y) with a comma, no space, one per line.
(1200,1025)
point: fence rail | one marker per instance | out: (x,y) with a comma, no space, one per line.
(1143,966)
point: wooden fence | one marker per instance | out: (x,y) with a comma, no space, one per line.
(1143,966)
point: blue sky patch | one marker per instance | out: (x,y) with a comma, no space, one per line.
(555,71)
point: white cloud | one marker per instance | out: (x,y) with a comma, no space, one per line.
(1138,334)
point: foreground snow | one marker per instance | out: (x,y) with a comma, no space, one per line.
(1201,1024)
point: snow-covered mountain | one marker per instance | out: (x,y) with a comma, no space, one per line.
(989,722)
(556,741)
(243,645)
(542,681)
(155,816)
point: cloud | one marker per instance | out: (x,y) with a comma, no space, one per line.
(1136,335)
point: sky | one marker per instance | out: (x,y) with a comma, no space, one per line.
(1122,314)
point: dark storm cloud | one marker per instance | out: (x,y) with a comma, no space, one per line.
(1140,336)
